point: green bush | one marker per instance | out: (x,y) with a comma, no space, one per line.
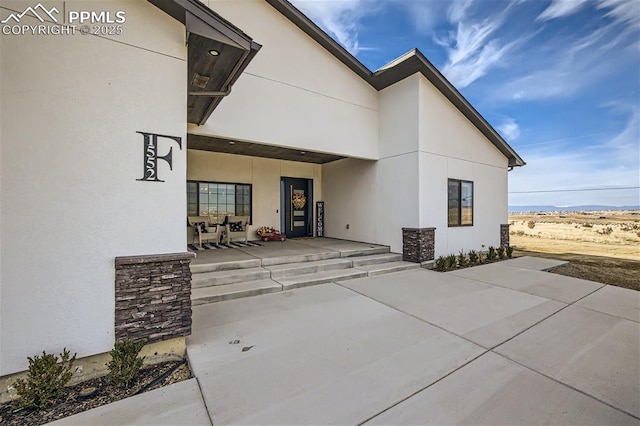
(492,254)
(125,364)
(509,252)
(452,262)
(473,257)
(462,260)
(501,252)
(531,224)
(441,264)
(46,378)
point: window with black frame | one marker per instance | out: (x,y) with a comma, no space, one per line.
(217,200)
(460,207)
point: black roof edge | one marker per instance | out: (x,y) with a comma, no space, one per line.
(178,8)
(413,62)
(321,37)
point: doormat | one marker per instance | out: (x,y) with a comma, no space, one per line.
(223,246)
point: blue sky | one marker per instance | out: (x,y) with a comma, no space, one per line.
(559,79)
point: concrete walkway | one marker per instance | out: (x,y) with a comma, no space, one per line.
(497,344)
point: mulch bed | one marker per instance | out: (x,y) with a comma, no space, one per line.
(11,414)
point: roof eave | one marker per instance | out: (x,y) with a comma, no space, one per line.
(415,62)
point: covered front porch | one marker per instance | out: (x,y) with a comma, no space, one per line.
(273,266)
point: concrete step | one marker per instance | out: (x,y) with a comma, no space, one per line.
(224,266)
(376,259)
(385,268)
(292,269)
(299,258)
(229,277)
(305,280)
(219,293)
(364,251)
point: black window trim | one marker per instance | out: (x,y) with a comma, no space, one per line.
(473,190)
(197,182)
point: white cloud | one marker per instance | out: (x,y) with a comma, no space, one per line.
(571,64)
(620,10)
(509,129)
(627,11)
(424,14)
(615,162)
(471,49)
(625,146)
(340,19)
(458,9)
(561,8)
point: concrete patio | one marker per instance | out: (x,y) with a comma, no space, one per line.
(413,347)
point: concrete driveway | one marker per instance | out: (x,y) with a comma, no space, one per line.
(497,344)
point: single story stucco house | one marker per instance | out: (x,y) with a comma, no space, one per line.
(119,119)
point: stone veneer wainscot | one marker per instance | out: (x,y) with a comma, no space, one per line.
(504,235)
(418,244)
(153,297)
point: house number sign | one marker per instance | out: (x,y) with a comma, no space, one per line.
(150,155)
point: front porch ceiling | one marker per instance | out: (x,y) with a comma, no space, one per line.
(213,144)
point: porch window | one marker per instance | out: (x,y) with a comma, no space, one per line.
(217,200)
(460,211)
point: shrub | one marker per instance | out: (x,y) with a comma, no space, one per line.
(452,262)
(473,257)
(492,254)
(125,364)
(501,252)
(462,260)
(46,378)
(509,252)
(531,224)
(441,264)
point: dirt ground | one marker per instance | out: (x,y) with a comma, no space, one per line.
(600,246)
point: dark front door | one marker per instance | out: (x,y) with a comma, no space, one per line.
(297,203)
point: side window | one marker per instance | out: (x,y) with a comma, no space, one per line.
(460,202)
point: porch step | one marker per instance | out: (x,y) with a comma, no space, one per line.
(322,277)
(385,268)
(292,269)
(224,266)
(376,259)
(228,277)
(365,251)
(219,293)
(299,258)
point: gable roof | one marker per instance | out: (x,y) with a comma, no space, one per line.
(408,64)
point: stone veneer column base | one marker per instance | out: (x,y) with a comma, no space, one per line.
(153,297)
(504,235)
(418,244)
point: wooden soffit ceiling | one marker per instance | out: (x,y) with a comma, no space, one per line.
(213,144)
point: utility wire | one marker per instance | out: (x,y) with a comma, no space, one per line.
(575,190)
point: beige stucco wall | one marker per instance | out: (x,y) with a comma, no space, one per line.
(70,157)
(350,196)
(294,93)
(262,173)
(452,147)
(397,182)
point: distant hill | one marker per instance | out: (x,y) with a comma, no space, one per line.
(519,209)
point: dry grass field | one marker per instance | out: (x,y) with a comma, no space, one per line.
(601,246)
